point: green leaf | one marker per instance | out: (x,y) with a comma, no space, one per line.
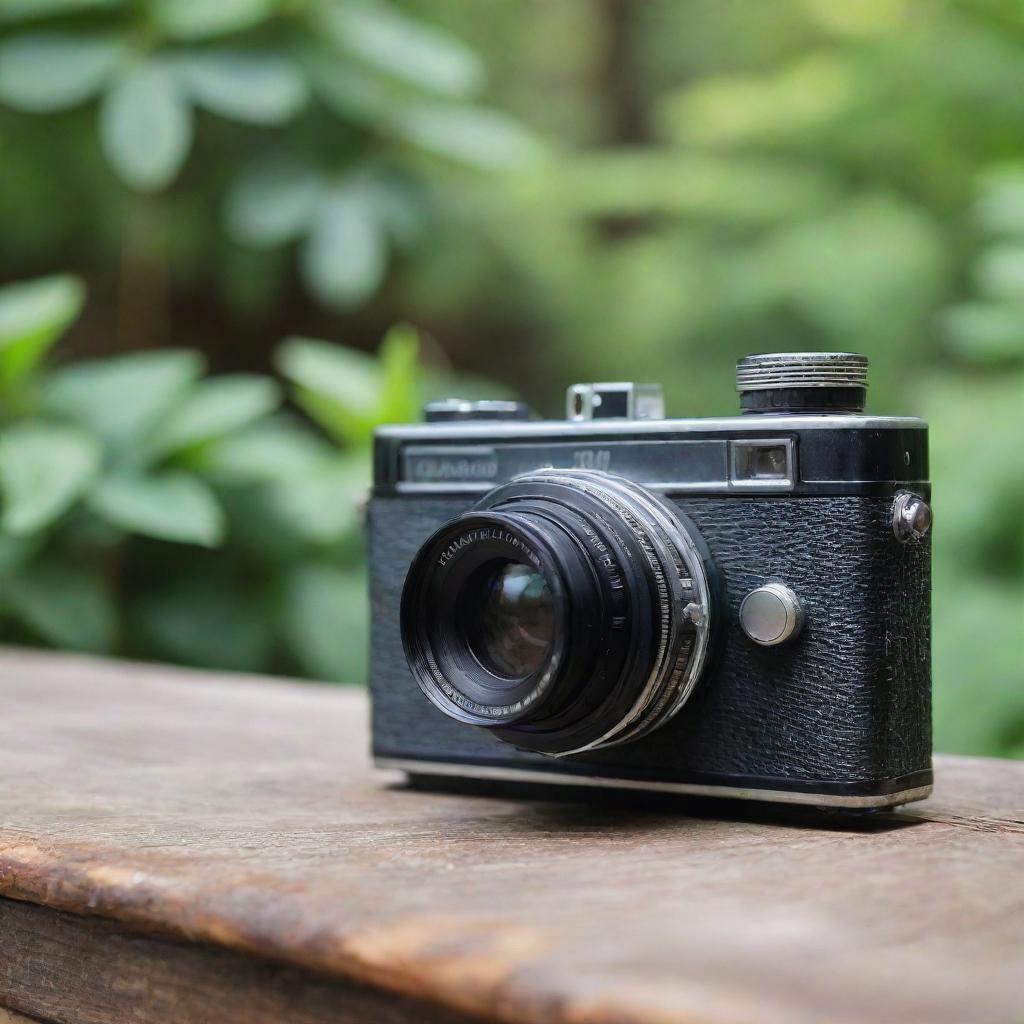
(406,49)
(326,622)
(345,256)
(353,93)
(324,505)
(173,506)
(217,407)
(15,551)
(123,398)
(201,19)
(63,602)
(401,209)
(205,619)
(276,450)
(273,204)
(146,126)
(733,109)
(33,315)
(259,533)
(399,356)
(475,136)
(42,72)
(44,469)
(348,392)
(256,88)
(339,387)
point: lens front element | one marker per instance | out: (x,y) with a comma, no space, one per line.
(509,618)
(570,610)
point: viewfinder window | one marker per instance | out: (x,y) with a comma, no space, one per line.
(763,463)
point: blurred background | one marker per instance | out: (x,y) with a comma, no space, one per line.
(235,236)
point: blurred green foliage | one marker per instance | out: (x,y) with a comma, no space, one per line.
(149,510)
(333,107)
(715,179)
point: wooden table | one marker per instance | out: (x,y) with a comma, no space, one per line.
(189,847)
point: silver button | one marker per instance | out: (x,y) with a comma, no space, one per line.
(771,614)
(911,517)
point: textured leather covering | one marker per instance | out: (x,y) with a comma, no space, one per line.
(848,702)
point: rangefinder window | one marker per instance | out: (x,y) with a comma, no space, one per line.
(762,462)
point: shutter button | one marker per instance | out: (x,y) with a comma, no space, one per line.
(771,614)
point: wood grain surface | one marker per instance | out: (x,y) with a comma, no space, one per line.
(10,1017)
(69,969)
(242,815)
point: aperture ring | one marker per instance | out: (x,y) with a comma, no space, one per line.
(663,611)
(670,682)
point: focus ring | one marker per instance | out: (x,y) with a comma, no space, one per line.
(669,562)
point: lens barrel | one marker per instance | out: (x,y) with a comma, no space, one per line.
(570,610)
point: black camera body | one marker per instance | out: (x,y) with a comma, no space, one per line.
(735,607)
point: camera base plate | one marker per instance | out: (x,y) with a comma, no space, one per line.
(914,790)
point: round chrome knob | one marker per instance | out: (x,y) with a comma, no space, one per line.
(911,517)
(802,382)
(771,614)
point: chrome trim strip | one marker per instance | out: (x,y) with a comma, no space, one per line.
(809,488)
(472,771)
(750,426)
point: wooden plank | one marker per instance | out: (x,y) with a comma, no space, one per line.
(67,969)
(10,1017)
(243,814)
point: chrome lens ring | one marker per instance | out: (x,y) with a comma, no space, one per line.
(678,567)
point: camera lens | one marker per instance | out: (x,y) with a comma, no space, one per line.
(509,618)
(485,617)
(569,611)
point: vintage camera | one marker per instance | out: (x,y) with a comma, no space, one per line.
(735,607)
